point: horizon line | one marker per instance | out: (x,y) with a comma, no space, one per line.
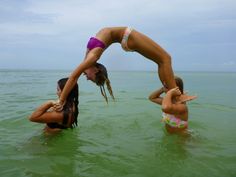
(60,69)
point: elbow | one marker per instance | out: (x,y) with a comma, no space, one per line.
(31,118)
(150,98)
(153,100)
(95,56)
(166,108)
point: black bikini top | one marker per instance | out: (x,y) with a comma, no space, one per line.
(56,125)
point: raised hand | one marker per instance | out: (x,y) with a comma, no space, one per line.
(58,105)
(175,91)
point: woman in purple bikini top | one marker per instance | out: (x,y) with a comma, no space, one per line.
(131,40)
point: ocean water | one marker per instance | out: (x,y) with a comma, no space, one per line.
(122,139)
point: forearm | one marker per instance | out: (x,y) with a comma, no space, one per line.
(41,110)
(167,102)
(156,94)
(67,88)
(89,61)
(71,82)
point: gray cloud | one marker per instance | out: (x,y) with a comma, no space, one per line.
(191,31)
(16,12)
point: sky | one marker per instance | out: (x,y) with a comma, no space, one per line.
(200,35)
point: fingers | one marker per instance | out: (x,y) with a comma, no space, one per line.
(175,91)
(185,98)
(57,106)
(178,92)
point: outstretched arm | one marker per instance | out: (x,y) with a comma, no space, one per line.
(91,58)
(72,81)
(155,96)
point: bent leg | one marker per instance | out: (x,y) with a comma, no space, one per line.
(151,50)
(167,74)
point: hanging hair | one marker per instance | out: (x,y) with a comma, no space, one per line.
(71,101)
(101,79)
(179,82)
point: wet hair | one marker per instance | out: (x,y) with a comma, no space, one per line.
(71,101)
(101,79)
(179,82)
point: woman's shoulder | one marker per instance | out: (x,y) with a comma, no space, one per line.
(111,34)
(55,116)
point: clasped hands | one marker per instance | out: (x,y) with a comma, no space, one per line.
(58,105)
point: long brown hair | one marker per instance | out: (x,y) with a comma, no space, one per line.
(72,99)
(101,79)
(179,82)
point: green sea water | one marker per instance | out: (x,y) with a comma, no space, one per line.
(122,139)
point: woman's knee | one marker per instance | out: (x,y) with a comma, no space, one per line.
(165,60)
(168,59)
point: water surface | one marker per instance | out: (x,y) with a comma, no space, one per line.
(124,138)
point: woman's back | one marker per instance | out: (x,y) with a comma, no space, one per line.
(111,35)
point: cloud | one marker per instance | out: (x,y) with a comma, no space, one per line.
(16,12)
(230,63)
(197,30)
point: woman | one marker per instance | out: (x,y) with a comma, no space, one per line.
(131,40)
(55,121)
(175,112)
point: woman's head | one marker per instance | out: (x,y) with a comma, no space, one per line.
(91,72)
(98,74)
(73,93)
(101,75)
(179,82)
